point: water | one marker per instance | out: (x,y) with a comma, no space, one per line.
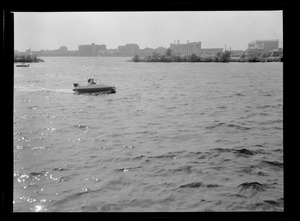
(174,137)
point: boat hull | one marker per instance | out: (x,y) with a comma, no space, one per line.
(96,88)
(22,65)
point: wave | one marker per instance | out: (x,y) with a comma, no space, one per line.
(222,150)
(185,169)
(139,157)
(214,126)
(265,106)
(200,155)
(192,185)
(71,197)
(138,204)
(253,186)
(246,152)
(164,156)
(199,184)
(60,169)
(229,126)
(243,152)
(273,163)
(193,154)
(238,127)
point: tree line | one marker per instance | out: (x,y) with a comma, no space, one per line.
(219,57)
(27,58)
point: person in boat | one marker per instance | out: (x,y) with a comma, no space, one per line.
(91,81)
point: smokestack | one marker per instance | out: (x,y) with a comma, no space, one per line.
(188,41)
(177,41)
(225,47)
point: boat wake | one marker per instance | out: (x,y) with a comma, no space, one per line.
(41,89)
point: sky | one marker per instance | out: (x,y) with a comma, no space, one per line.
(215,29)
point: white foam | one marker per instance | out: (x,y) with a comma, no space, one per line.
(41,89)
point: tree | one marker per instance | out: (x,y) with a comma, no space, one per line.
(264,55)
(136,58)
(169,52)
(193,58)
(176,58)
(281,57)
(164,58)
(155,56)
(225,56)
(253,59)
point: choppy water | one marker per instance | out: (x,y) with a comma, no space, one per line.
(174,137)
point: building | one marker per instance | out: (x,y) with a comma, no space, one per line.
(92,50)
(160,50)
(146,51)
(28,51)
(128,49)
(265,45)
(188,48)
(193,48)
(254,46)
(62,51)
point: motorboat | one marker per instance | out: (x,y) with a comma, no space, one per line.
(94,88)
(22,65)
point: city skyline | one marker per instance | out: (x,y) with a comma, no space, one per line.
(215,29)
(65,47)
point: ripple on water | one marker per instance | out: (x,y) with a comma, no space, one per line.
(181,140)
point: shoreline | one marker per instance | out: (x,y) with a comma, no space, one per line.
(27,59)
(220,57)
(231,61)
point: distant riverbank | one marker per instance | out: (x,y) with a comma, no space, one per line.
(219,57)
(27,58)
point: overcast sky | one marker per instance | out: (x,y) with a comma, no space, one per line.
(51,30)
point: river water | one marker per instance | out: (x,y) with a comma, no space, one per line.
(174,137)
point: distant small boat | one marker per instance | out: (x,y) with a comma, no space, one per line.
(95,88)
(22,65)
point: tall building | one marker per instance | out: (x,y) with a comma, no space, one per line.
(187,48)
(266,45)
(91,50)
